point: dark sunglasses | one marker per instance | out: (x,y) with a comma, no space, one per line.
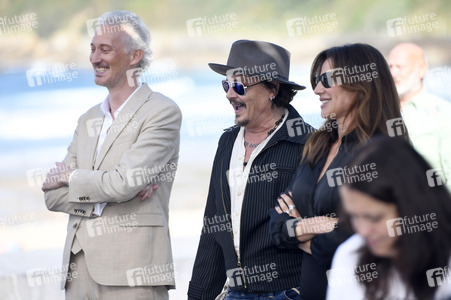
(326,80)
(238,87)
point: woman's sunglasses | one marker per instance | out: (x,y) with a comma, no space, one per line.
(238,87)
(326,79)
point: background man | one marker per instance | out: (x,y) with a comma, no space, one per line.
(426,115)
(117,240)
(255,162)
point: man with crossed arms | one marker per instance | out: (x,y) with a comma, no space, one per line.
(117,242)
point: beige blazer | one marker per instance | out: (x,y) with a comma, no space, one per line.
(129,245)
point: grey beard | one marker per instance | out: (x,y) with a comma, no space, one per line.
(410,85)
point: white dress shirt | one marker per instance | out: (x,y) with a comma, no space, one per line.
(238,178)
(107,122)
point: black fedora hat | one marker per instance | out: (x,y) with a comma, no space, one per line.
(264,60)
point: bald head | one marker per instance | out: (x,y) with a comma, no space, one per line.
(408,67)
(409,51)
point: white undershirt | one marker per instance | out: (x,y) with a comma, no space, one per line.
(238,178)
(107,122)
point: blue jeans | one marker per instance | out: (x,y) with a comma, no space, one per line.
(281,295)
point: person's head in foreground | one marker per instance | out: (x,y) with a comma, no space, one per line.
(256,82)
(357,93)
(390,213)
(120,43)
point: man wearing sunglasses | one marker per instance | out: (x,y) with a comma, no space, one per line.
(254,163)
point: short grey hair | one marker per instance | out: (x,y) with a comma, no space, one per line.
(138,34)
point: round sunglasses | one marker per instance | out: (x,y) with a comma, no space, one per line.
(326,79)
(238,87)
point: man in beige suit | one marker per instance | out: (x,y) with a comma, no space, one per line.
(118,244)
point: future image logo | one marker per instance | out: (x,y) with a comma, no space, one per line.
(395,227)
(52,74)
(252,274)
(94,126)
(335,177)
(18,23)
(42,276)
(297,127)
(235,277)
(307,25)
(310,225)
(133,76)
(353,74)
(155,174)
(434,177)
(396,127)
(92,26)
(159,71)
(111,224)
(438,276)
(413,224)
(113,24)
(137,177)
(37,176)
(151,275)
(235,75)
(410,25)
(217,224)
(351,174)
(208,25)
(342,276)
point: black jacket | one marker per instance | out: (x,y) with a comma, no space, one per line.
(315,199)
(277,269)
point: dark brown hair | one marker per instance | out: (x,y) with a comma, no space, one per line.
(376,101)
(284,95)
(402,180)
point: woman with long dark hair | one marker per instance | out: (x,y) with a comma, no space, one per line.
(359,100)
(402,218)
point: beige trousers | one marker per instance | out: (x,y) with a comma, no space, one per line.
(83,287)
